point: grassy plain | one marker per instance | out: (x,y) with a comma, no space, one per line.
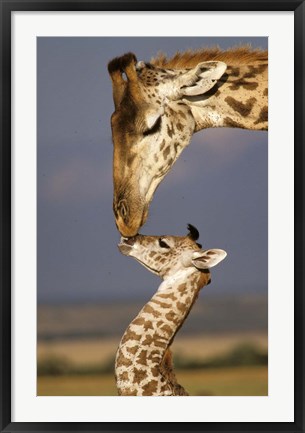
(238,381)
(100,350)
(76,346)
(241,380)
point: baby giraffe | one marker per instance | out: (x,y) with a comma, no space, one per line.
(143,363)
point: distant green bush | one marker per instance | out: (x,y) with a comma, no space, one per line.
(242,355)
(57,366)
(53,366)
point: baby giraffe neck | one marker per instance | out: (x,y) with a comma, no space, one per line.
(142,351)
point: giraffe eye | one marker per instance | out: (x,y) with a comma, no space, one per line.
(154,129)
(163,244)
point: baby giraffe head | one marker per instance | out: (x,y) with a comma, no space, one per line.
(169,255)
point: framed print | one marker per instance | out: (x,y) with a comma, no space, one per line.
(141,129)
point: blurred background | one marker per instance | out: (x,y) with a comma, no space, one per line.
(87,291)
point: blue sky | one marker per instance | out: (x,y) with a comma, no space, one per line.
(219,183)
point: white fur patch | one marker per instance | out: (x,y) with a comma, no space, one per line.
(176,279)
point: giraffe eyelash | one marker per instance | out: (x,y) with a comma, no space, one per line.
(154,129)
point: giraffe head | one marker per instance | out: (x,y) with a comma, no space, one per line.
(168,255)
(151,125)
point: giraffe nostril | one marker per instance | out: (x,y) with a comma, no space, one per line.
(129,241)
(123,209)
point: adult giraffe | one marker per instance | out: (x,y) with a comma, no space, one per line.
(158,107)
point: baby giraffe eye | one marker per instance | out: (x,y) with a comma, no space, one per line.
(163,244)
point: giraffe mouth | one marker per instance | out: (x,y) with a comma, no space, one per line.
(126,246)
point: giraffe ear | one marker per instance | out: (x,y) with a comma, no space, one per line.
(200,79)
(208,259)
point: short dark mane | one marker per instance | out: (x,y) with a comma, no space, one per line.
(241,55)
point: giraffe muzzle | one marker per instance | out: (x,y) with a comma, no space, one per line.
(126,245)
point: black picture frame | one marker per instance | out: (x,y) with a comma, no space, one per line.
(7,7)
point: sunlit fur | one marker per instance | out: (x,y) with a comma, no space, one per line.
(143,363)
(160,105)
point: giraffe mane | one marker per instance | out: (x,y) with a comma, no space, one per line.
(241,55)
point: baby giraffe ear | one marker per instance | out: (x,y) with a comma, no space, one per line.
(208,259)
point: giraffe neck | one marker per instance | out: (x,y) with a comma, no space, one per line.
(239,100)
(139,365)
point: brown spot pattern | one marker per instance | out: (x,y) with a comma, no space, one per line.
(181,306)
(132,350)
(263,116)
(142,358)
(155,356)
(147,324)
(121,360)
(150,310)
(251,72)
(182,114)
(231,123)
(167,329)
(170,131)
(179,126)
(167,296)
(171,317)
(123,376)
(130,335)
(154,340)
(262,68)
(234,71)
(166,152)
(162,145)
(243,109)
(155,371)
(148,340)
(150,388)
(159,343)
(248,85)
(139,375)
(162,304)
(182,287)
(129,391)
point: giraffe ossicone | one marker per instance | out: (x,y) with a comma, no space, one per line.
(143,365)
(158,107)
